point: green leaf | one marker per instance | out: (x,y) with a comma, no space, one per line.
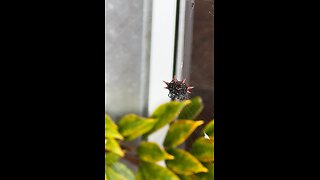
(113,146)
(208,175)
(112,133)
(201,176)
(118,171)
(112,175)
(184,163)
(122,169)
(192,110)
(132,126)
(166,113)
(151,152)
(179,131)
(190,177)
(111,129)
(152,171)
(209,128)
(111,158)
(203,149)
(109,123)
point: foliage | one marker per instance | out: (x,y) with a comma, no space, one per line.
(197,164)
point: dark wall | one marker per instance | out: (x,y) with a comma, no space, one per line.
(201,69)
(201,72)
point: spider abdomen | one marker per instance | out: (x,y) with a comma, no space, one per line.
(178,90)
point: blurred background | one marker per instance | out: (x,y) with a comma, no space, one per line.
(147,41)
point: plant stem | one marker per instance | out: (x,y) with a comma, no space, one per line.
(131,154)
(133,158)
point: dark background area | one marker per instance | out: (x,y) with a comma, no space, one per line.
(201,69)
(201,73)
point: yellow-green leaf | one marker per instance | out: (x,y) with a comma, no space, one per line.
(190,177)
(111,129)
(179,131)
(132,126)
(209,128)
(112,133)
(109,123)
(201,176)
(208,175)
(112,175)
(192,110)
(151,152)
(111,158)
(184,163)
(152,171)
(166,113)
(203,149)
(113,146)
(118,171)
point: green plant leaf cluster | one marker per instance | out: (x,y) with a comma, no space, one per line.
(151,152)
(118,171)
(149,171)
(132,126)
(179,131)
(196,164)
(114,170)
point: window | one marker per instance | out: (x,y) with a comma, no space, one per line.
(150,41)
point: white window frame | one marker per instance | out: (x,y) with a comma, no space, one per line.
(161,58)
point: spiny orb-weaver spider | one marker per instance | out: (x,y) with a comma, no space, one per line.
(178,90)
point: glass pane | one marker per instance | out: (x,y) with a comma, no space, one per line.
(198,60)
(126,56)
(201,69)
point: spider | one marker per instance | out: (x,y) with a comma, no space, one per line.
(178,90)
